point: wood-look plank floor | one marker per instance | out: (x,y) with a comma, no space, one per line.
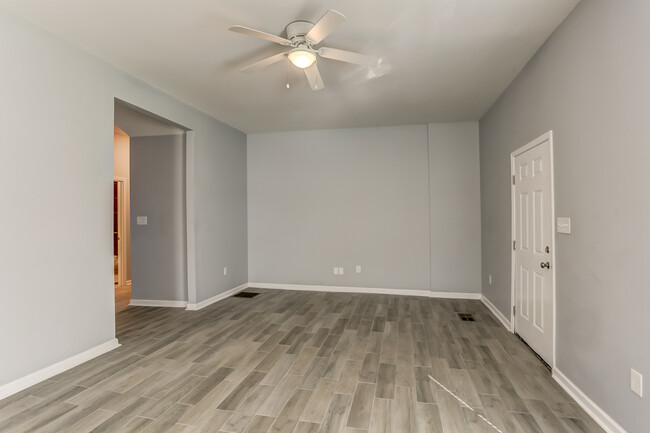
(303,362)
(122,298)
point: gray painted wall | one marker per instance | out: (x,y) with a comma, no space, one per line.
(138,124)
(589,84)
(158,258)
(221,212)
(320,199)
(455,197)
(56,170)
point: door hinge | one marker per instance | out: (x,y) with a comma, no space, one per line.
(514,245)
(514,310)
(513,179)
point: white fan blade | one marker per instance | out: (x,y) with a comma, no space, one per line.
(345,56)
(326,25)
(259,34)
(314,78)
(264,62)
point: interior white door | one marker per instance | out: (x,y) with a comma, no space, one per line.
(533,235)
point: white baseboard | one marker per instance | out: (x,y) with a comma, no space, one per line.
(454,295)
(54,369)
(374,290)
(157,303)
(499,315)
(600,416)
(311,288)
(216,298)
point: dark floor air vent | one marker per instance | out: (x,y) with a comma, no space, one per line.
(245,295)
(466,317)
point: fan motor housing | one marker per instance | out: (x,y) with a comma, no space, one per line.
(297,30)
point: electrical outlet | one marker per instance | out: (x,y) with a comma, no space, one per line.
(225,270)
(490,279)
(636,382)
(336,271)
(141,220)
(340,271)
(358,269)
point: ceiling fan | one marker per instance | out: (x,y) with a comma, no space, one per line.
(302,37)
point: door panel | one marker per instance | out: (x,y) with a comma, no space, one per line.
(533,235)
(538,217)
(524,298)
(523,221)
(539,301)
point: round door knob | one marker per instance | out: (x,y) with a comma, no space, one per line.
(546,265)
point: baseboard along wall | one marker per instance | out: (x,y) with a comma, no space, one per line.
(54,369)
(311,288)
(157,303)
(216,298)
(373,290)
(599,415)
(498,314)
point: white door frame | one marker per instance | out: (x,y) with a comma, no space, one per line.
(121,221)
(190,235)
(548,136)
(189,211)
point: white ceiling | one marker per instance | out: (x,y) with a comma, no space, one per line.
(450,59)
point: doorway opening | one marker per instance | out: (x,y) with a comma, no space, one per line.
(121,217)
(153,219)
(533,247)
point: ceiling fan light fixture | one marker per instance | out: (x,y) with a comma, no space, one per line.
(302,58)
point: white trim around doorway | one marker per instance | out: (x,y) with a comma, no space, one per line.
(548,136)
(121,229)
(190,236)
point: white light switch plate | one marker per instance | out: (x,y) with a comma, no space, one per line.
(564,225)
(636,382)
(141,220)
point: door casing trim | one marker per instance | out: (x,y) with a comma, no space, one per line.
(548,136)
(121,229)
